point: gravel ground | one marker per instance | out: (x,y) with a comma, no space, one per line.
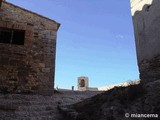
(38,107)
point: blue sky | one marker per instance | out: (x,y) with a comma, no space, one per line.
(95,39)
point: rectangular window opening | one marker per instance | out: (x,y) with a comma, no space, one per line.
(12,36)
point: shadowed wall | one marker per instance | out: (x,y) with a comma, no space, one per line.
(146,21)
(27,60)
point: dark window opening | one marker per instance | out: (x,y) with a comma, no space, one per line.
(82,83)
(12,36)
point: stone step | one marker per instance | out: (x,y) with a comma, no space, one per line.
(37,118)
(35,102)
(35,108)
(34,113)
(24,97)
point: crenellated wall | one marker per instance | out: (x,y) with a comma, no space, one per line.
(146,21)
(29,67)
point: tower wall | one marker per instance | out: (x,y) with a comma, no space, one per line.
(26,65)
(146,21)
(83,83)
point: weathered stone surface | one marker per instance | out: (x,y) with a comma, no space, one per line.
(38,107)
(21,66)
(146,21)
(46,70)
(115,103)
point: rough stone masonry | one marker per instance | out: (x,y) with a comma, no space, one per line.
(146,20)
(27,50)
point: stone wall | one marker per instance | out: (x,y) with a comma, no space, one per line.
(146,21)
(29,67)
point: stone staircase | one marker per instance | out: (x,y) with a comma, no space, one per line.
(37,107)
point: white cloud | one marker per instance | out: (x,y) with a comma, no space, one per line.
(119,36)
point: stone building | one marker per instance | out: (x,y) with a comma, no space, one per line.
(146,21)
(83,84)
(27,50)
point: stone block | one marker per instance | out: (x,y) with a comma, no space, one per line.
(46,70)
(42,65)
